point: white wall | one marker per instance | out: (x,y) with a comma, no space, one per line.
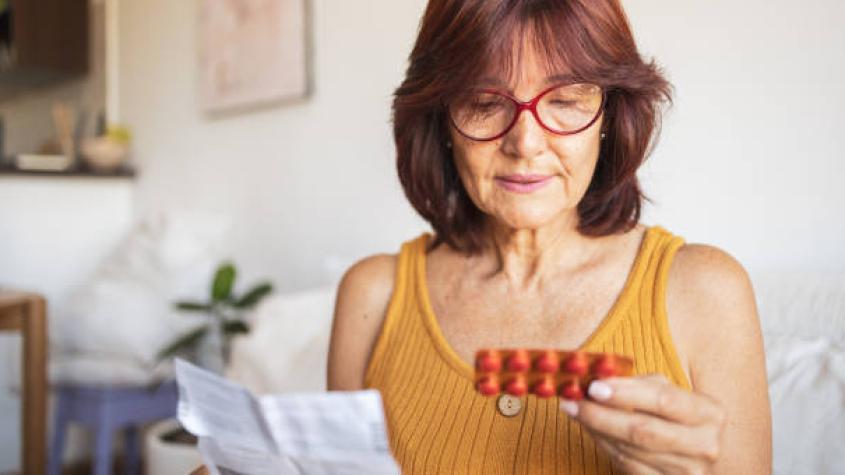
(752,153)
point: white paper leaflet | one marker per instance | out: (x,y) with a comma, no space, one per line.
(337,433)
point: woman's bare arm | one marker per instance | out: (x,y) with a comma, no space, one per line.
(360,308)
(727,360)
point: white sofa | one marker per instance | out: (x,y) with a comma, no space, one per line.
(803,319)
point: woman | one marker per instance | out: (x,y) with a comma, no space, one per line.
(519,129)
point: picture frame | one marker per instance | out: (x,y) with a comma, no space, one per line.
(253,53)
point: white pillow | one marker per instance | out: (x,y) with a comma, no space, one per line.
(287,347)
(124,314)
(807,392)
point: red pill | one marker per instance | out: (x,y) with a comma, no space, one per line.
(604,366)
(544,388)
(488,385)
(489,361)
(519,361)
(547,362)
(571,390)
(577,364)
(516,386)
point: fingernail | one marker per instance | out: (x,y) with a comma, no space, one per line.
(570,407)
(600,391)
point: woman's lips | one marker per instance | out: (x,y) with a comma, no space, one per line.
(523,183)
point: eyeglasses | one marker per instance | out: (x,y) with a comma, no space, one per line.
(564,109)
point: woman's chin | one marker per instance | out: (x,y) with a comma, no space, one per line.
(529,219)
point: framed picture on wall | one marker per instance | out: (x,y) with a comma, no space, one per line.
(252,53)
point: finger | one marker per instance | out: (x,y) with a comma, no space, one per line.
(648,432)
(653,462)
(655,395)
(622,460)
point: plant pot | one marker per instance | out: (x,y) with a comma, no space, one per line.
(166,458)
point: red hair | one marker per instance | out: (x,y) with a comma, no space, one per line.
(461,40)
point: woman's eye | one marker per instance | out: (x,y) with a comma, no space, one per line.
(486,106)
(563,103)
(485,109)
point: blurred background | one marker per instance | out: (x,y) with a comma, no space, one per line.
(133,150)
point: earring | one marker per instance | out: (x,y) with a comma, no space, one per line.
(603,135)
(449,144)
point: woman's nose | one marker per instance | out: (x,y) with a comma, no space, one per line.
(526,139)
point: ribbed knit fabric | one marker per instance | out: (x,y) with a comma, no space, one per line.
(437,423)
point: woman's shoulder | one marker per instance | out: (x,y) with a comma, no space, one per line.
(369,282)
(706,273)
(705,262)
(703,269)
(370,277)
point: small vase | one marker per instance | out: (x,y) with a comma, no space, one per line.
(212,350)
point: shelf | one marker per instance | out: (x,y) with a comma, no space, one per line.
(7,170)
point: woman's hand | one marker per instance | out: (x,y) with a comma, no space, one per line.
(647,425)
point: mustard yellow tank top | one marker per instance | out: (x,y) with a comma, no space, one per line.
(438,423)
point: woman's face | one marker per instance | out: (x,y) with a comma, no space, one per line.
(561,166)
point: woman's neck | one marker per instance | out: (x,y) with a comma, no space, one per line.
(527,258)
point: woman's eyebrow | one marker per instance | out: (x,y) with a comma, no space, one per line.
(559,78)
(491,81)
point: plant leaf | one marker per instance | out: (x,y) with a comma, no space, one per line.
(224,279)
(193,306)
(234,327)
(254,295)
(182,343)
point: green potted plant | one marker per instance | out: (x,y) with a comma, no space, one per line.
(209,344)
(169,448)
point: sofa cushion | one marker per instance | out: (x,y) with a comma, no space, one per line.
(287,347)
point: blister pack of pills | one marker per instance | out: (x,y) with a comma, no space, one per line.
(544,373)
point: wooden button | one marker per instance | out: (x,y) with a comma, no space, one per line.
(509,405)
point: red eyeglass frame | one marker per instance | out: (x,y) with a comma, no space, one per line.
(530,105)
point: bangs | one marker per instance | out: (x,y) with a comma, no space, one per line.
(553,30)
